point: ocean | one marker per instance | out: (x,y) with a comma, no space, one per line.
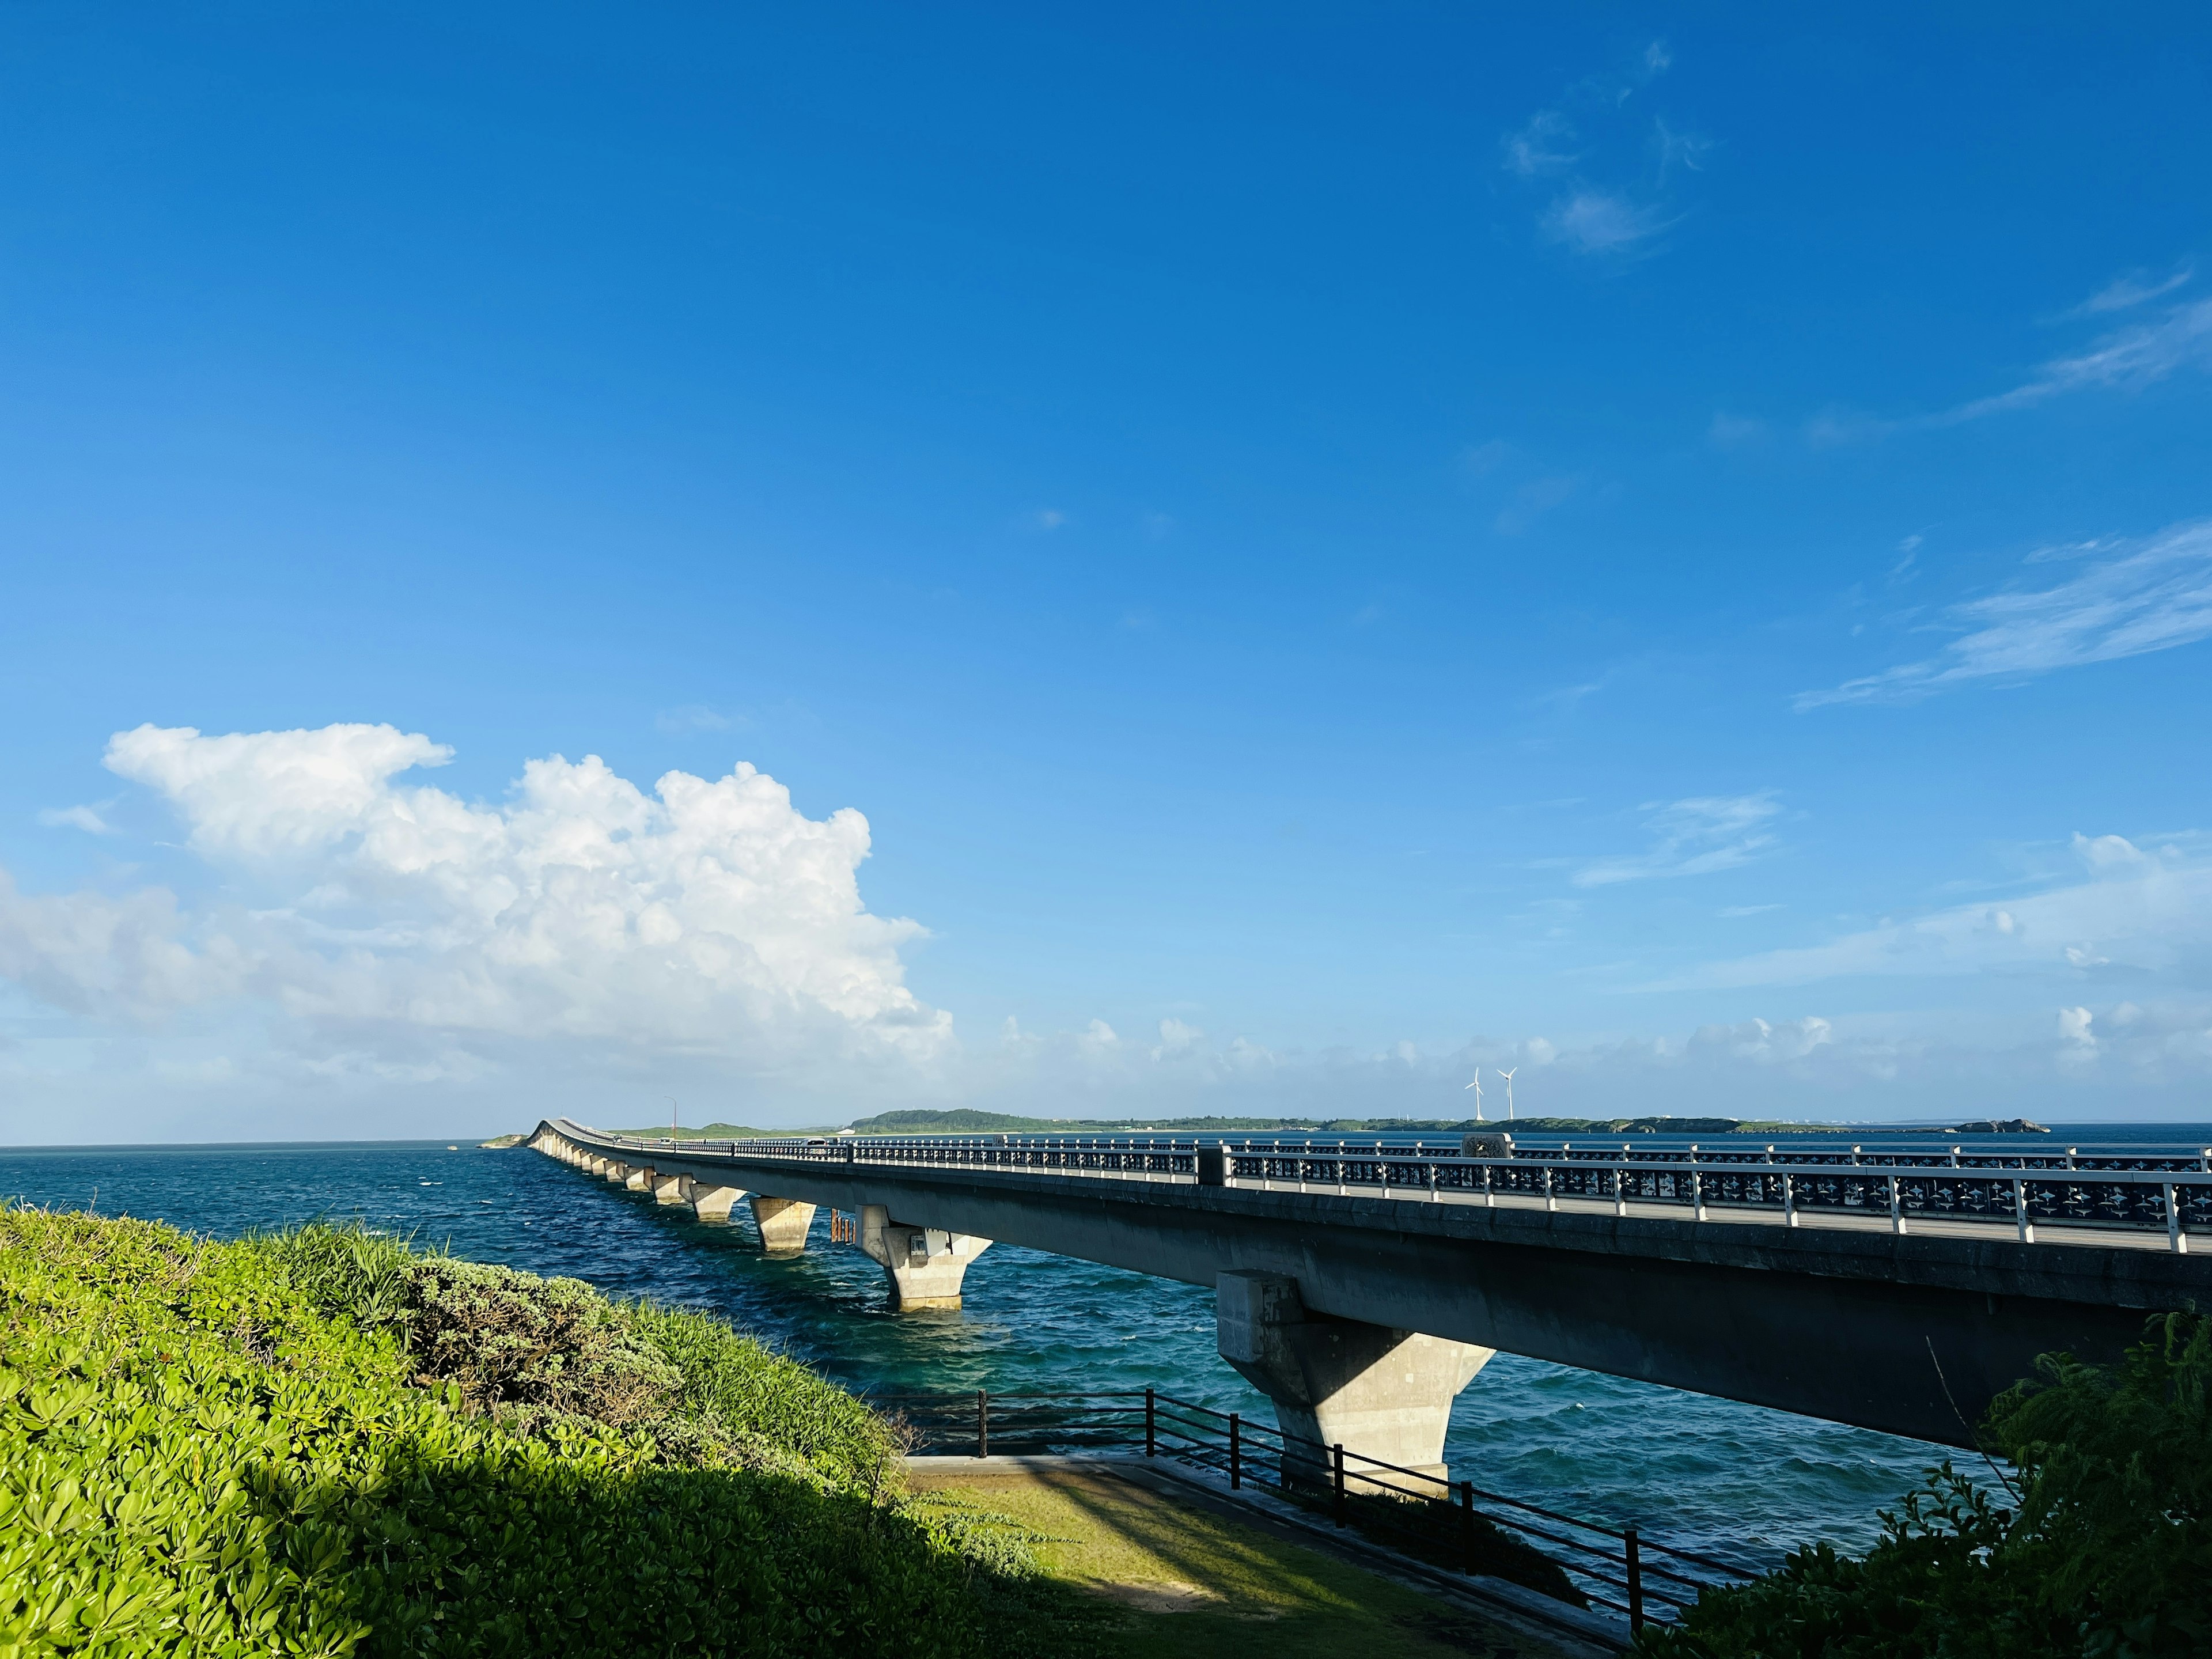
(1741,1481)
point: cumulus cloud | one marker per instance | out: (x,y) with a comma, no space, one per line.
(1693,837)
(710,916)
(2130,598)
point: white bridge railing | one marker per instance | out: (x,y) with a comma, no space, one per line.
(2138,1195)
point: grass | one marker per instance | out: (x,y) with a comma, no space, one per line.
(1186,1584)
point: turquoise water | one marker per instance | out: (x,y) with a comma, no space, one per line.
(1696,1471)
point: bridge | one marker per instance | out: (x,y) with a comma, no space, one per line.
(1361,1286)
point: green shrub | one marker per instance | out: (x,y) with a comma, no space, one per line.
(201,1455)
(2106,1550)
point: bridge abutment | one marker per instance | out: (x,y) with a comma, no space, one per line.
(783,1222)
(926,1266)
(1377,1391)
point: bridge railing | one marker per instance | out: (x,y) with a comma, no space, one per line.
(2131,1191)
(1454,1524)
(2138,1194)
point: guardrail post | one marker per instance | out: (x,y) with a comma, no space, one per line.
(2019,1210)
(1789,1199)
(2176,1240)
(1466,1526)
(1336,1462)
(1635,1582)
(1151,1423)
(1896,1202)
(1550,1197)
(1236,1451)
(1697,1188)
(983,1424)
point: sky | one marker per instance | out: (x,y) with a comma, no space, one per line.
(779,564)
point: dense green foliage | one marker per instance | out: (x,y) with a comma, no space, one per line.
(2105,1550)
(324,1445)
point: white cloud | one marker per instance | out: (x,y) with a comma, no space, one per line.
(2132,598)
(1600,222)
(1539,149)
(2128,360)
(710,916)
(1734,431)
(692,717)
(86,818)
(2134,288)
(1531,500)
(1693,837)
(2124,909)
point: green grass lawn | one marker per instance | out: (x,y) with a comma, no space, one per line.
(1187,1585)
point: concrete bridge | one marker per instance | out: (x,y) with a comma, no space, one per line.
(1361,1287)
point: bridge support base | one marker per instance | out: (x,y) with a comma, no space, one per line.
(1376,1392)
(783,1222)
(926,1266)
(639,1180)
(615,1171)
(714,1203)
(673,1188)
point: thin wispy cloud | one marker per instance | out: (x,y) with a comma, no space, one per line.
(1531,500)
(2134,288)
(1693,837)
(2127,360)
(2132,598)
(1540,149)
(1597,222)
(2143,908)
(86,818)
(1588,213)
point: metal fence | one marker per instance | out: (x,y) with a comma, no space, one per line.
(2136,1194)
(1454,1524)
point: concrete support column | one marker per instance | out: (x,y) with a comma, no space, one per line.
(783,1222)
(616,1171)
(1381,1393)
(640,1179)
(925,1265)
(714,1203)
(673,1188)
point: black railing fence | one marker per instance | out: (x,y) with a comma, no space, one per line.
(1454,1525)
(2142,1194)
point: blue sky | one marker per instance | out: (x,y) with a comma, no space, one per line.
(1325,548)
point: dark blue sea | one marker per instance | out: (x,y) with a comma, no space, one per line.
(1692,1471)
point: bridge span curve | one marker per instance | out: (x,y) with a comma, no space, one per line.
(1361,1286)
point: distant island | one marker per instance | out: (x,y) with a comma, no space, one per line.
(964,1122)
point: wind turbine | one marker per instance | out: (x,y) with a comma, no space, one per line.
(1477,1086)
(1507,1076)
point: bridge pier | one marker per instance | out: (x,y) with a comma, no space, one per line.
(671,1189)
(783,1222)
(714,1203)
(1377,1391)
(640,1178)
(616,1171)
(926,1266)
